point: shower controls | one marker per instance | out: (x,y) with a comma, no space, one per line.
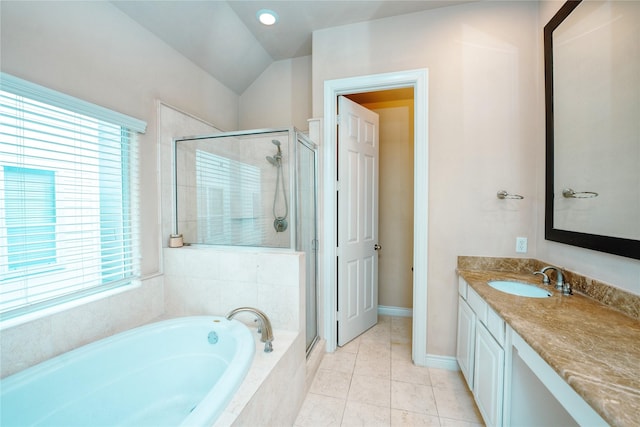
(280,224)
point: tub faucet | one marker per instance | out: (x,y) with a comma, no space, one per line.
(559,277)
(265,325)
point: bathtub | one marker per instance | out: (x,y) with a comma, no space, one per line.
(177,372)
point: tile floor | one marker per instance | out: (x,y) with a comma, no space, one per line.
(372,382)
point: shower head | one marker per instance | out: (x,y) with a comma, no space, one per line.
(272,160)
(277,144)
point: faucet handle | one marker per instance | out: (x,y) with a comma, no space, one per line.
(566,289)
(545,278)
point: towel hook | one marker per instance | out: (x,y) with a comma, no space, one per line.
(502,194)
(570,194)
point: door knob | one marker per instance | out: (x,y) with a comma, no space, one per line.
(377,247)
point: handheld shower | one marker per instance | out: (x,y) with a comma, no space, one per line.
(277,159)
(273,160)
(277,144)
(280,222)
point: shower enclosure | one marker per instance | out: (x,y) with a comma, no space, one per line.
(250,188)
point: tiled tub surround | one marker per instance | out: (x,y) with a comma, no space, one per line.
(197,281)
(211,280)
(214,280)
(594,347)
(273,390)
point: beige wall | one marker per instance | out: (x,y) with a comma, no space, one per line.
(486,133)
(483,98)
(486,121)
(93,51)
(395,277)
(280,96)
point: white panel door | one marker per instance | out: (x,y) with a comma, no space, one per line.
(358,160)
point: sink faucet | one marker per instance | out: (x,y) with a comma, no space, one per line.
(559,277)
(545,278)
(265,325)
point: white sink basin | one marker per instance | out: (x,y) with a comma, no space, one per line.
(520,289)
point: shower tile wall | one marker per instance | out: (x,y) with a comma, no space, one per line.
(247,151)
(172,123)
(202,280)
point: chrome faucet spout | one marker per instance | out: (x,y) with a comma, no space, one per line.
(264,325)
(545,278)
(559,276)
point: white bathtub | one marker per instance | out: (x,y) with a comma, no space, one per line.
(176,372)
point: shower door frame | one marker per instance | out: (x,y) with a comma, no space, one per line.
(303,139)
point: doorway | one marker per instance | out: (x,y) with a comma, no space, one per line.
(417,81)
(396,135)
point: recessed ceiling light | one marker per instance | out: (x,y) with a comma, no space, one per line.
(267,17)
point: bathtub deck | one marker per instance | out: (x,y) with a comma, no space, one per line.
(275,380)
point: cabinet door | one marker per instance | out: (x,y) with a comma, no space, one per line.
(466,340)
(488,377)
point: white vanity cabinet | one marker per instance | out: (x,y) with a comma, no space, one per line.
(511,383)
(488,384)
(480,352)
(466,340)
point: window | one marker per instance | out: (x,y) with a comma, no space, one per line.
(68,198)
(29,203)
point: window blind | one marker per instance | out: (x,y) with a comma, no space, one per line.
(68,198)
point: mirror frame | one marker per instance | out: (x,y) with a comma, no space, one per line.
(613,245)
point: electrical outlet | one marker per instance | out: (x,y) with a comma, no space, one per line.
(521,245)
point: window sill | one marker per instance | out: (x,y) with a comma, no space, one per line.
(66,306)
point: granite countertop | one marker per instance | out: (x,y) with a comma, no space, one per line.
(595,348)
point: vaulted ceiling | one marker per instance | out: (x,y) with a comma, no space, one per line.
(226,40)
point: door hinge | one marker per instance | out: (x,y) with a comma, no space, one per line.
(338,119)
(337,185)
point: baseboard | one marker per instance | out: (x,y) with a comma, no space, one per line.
(385,310)
(441,362)
(430,360)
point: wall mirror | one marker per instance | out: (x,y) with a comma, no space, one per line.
(592,98)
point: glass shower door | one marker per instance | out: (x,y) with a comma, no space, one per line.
(307,234)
